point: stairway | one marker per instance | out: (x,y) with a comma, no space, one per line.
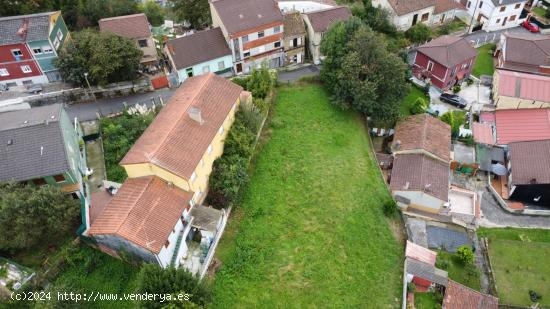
(177,248)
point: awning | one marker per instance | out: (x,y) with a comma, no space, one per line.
(499,169)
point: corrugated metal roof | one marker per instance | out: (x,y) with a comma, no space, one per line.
(420,253)
(524,86)
(483,133)
(519,125)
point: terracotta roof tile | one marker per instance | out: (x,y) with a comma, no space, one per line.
(322,19)
(448,50)
(417,172)
(133,26)
(442,6)
(420,253)
(402,7)
(423,132)
(174,141)
(458,296)
(198,48)
(530,161)
(243,15)
(144,211)
(515,55)
(293,24)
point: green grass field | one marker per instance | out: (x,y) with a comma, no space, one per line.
(408,101)
(466,275)
(310,231)
(425,301)
(484,62)
(519,259)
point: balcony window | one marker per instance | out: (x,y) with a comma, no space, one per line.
(261,34)
(245,38)
(480,4)
(4,72)
(17,54)
(277,29)
(425,17)
(37,51)
(59,178)
(430,66)
(277,44)
(247,54)
(142,43)
(502,8)
(26,69)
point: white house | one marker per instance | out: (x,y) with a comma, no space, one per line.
(492,15)
(407,13)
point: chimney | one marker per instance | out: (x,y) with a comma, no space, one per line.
(195,114)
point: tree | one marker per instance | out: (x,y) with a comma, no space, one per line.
(154,279)
(465,254)
(419,106)
(154,12)
(360,73)
(106,57)
(21,7)
(31,214)
(195,12)
(418,33)
(375,17)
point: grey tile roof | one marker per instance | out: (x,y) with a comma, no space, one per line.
(526,52)
(244,15)
(448,50)
(33,149)
(321,20)
(450,240)
(505,2)
(38,28)
(530,162)
(426,271)
(198,48)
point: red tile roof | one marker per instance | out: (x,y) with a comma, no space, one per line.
(322,19)
(133,26)
(517,59)
(518,125)
(458,296)
(144,211)
(530,162)
(483,133)
(247,15)
(524,86)
(174,141)
(417,172)
(197,48)
(423,132)
(442,6)
(448,50)
(420,253)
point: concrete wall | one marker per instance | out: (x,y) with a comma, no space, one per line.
(314,41)
(421,200)
(213,66)
(120,244)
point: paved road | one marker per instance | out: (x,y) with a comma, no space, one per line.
(292,76)
(493,35)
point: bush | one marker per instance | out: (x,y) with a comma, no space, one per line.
(442,264)
(465,254)
(390,208)
(456,88)
(419,107)
(418,33)
(260,82)
(469,81)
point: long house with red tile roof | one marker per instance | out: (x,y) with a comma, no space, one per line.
(159,206)
(407,13)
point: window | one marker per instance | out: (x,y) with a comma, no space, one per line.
(517,6)
(469,4)
(261,34)
(210,149)
(430,66)
(453,72)
(193,177)
(498,20)
(502,8)
(16,53)
(245,38)
(512,18)
(425,16)
(59,178)
(47,49)
(167,243)
(39,181)
(56,43)
(221,65)
(26,69)
(142,43)
(220,130)
(277,29)
(202,162)
(294,42)
(480,4)
(277,44)
(59,35)
(206,69)
(189,72)
(37,51)
(4,72)
(247,54)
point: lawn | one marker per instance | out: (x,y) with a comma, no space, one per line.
(539,11)
(484,62)
(467,275)
(519,260)
(310,231)
(425,301)
(410,99)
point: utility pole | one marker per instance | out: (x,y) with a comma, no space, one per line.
(89,87)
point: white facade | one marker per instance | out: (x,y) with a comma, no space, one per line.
(166,254)
(302,6)
(420,200)
(495,17)
(426,15)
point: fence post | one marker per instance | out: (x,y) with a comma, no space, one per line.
(161,100)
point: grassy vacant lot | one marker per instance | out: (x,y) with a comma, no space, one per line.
(310,231)
(425,301)
(519,259)
(467,275)
(410,99)
(484,61)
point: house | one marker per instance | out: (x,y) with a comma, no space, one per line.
(305,6)
(157,213)
(420,268)
(317,23)
(521,125)
(420,175)
(253,30)
(492,15)
(294,38)
(529,172)
(29,44)
(43,146)
(200,53)
(445,61)
(407,13)
(458,296)
(522,77)
(134,27)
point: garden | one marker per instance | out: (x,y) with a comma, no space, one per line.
(463,272)
(310,230)
(519,262)
(416,102)
(484,62)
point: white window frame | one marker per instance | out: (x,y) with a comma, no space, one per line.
(18,51)
(276,29)
(430,66)
(193,177)
(4,72)
(37,51)
(26,69)
(47,49)
(206,69)
(220,130)
(210,148)
(59,34)
(221,65)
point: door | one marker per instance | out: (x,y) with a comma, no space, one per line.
(415,19)
(442,19)
(504,21)
(239,68)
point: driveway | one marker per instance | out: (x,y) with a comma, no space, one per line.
(292,76)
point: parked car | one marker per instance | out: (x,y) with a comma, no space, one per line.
(530,26)
(34,88)
(453,99)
